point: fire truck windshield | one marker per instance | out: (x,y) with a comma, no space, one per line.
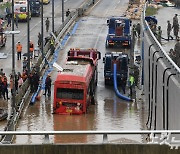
(65,93)
(22,9)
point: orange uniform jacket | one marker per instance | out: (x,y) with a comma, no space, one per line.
(19,48)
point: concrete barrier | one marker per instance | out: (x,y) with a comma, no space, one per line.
(88,149)
(161,83)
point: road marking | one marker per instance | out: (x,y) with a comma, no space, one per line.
(93,6)
(100,30)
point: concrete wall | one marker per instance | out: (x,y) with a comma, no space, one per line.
(161,83)
(88,149)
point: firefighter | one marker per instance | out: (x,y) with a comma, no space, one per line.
(52,46)
(134,31)
(47,23)
(138,29)
(169,28)
(175,26)
(159,34)
(123,83)
(172,54)
(39,39)
(48,85)
(131,84)
(35,81)
(5,87)
(176,50)
(25,63)
(31,48)
(8,20)
(67,13)
(19,50)
(16,21)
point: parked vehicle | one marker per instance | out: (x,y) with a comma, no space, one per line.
(45,1)
(21,11)
(121,61)
(119,32)
(35,7)
(74,88)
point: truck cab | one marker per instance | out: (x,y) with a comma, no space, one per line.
(35,7)
(119,33)
(121,60)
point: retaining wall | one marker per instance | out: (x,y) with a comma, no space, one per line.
(88,149)
(161,83)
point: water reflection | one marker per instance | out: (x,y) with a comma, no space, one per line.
(72,123)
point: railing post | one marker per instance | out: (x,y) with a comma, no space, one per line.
(46,139)
(105,138)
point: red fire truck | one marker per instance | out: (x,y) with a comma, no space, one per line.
(74,88)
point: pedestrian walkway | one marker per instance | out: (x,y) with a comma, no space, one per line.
(169,13)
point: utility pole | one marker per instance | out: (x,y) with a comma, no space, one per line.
(42,31)
(28,39)
(53,16)
(63,11)
(13,64)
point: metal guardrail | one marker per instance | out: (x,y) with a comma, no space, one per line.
(154,39)
(155,136)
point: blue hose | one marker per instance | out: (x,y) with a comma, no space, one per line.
(116,89)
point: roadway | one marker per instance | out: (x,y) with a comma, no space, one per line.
(35,25)
(110,112)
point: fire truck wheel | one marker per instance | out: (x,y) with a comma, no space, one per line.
(106,82)
(107,44)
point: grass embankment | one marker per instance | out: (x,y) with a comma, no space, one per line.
(150,11)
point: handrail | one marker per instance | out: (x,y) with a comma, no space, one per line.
(90,132)
(165,54)
(155,136)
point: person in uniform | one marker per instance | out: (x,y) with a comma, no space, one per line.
(172,55)
(48,85)
(19,50)
(159,34)
(169,28)
(67,13)
(175,25)
(138,29)
(47,23)
(177,51)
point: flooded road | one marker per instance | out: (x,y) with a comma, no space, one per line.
(109,112)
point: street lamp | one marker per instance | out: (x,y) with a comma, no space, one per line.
(13,60)
(42,31)
(63,11)
(28,38)
(53,16)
